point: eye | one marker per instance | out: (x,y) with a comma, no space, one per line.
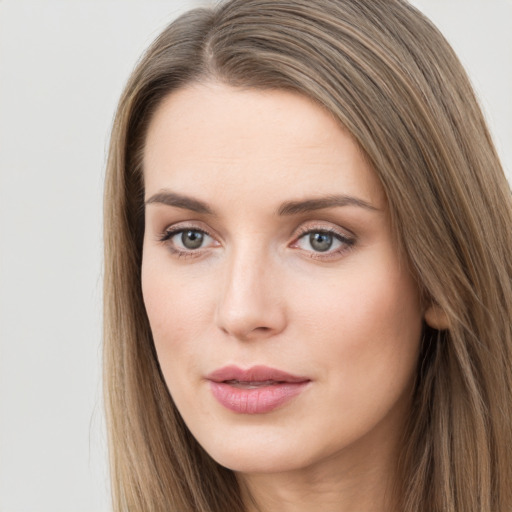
(320,241)
(190,239)
(187,240)
(325,241)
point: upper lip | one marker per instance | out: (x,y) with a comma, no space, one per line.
(253,374)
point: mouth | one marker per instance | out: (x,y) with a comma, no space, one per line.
(252,384)
(255,390)
(256,375)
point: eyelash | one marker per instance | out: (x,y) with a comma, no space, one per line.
(347,242)
(170,233)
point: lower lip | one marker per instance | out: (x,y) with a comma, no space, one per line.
(255,400)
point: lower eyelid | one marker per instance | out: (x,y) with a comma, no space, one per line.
(346,244)
(176,249)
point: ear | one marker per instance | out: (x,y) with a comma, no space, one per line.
(436,318)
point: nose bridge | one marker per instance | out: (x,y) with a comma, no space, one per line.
(249,305)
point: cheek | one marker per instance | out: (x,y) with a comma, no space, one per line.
(176,305)
(369,325)
(370,297)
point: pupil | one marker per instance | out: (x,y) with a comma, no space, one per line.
(320,242)
(192,239)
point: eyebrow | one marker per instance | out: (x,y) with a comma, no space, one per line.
(287,208)
(180,201)
(308,205)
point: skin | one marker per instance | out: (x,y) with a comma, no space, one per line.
(256,292)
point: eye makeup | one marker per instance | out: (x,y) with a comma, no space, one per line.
(314,240)
(185,240)
(323,243)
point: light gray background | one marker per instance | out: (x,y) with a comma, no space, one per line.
(62,68)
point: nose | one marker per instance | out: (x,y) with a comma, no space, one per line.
(250,304)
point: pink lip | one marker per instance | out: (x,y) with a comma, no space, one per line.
(256,390)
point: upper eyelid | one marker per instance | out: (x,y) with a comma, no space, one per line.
(331,228)
(169,233)
(346,240)
(187,225)
(298,232)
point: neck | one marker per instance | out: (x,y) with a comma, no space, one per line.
(360,478)
(354,492)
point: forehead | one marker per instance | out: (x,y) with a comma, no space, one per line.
(252,141)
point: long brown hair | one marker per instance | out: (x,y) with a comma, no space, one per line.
(390,78)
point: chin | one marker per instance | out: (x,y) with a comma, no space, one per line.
(263,453)
(253,463)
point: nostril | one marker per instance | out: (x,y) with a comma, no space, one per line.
(245,310)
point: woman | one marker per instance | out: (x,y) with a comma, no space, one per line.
(307,285)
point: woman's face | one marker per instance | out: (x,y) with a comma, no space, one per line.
(286,325)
